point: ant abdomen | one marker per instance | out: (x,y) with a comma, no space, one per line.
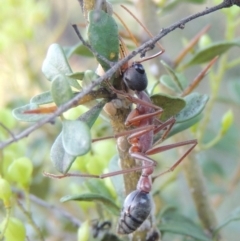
(135,77)
(137,207)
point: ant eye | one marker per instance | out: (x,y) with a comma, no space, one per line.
(139,68)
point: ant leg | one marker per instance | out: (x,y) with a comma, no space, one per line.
(134,117)
(155,150)
(68,175)
(132,98)
(145,129)
(102,176)
(166,126)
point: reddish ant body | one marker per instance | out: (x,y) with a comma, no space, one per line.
(138,204)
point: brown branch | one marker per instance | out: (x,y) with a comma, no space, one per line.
(115,67)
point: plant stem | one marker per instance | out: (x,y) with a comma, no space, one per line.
(196,184)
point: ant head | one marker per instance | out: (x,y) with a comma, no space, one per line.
(135,77)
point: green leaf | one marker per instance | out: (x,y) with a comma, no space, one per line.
(61,90)
(76,75)
(91,115)
(61,160)
(178,127)
(78,49)
(234,216)
(168,82)
(171,105)
(195,104)
(56,64)
(178,80)
(213,50)
(19,114)
(234,87)
(173,222)
(89,77)
(76,137)
(43,98)
(117,180)
(96,185)
(94,197)
(103,36)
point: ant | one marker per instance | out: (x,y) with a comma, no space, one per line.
(138,204)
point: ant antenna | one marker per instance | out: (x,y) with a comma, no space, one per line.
(149,34)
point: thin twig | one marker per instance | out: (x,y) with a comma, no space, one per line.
(76,222)
(115,67)
(5,128)
(31,221)
(90,47)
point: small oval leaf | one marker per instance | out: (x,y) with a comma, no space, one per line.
(43,98)
(94,197)
(56,64)
(213,50)
(76,137)
(195,104)
(168,82)
(103,36)
(171,105)
(61,160)
(61,90)
(89,77)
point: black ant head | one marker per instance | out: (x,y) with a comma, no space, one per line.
(135,77)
